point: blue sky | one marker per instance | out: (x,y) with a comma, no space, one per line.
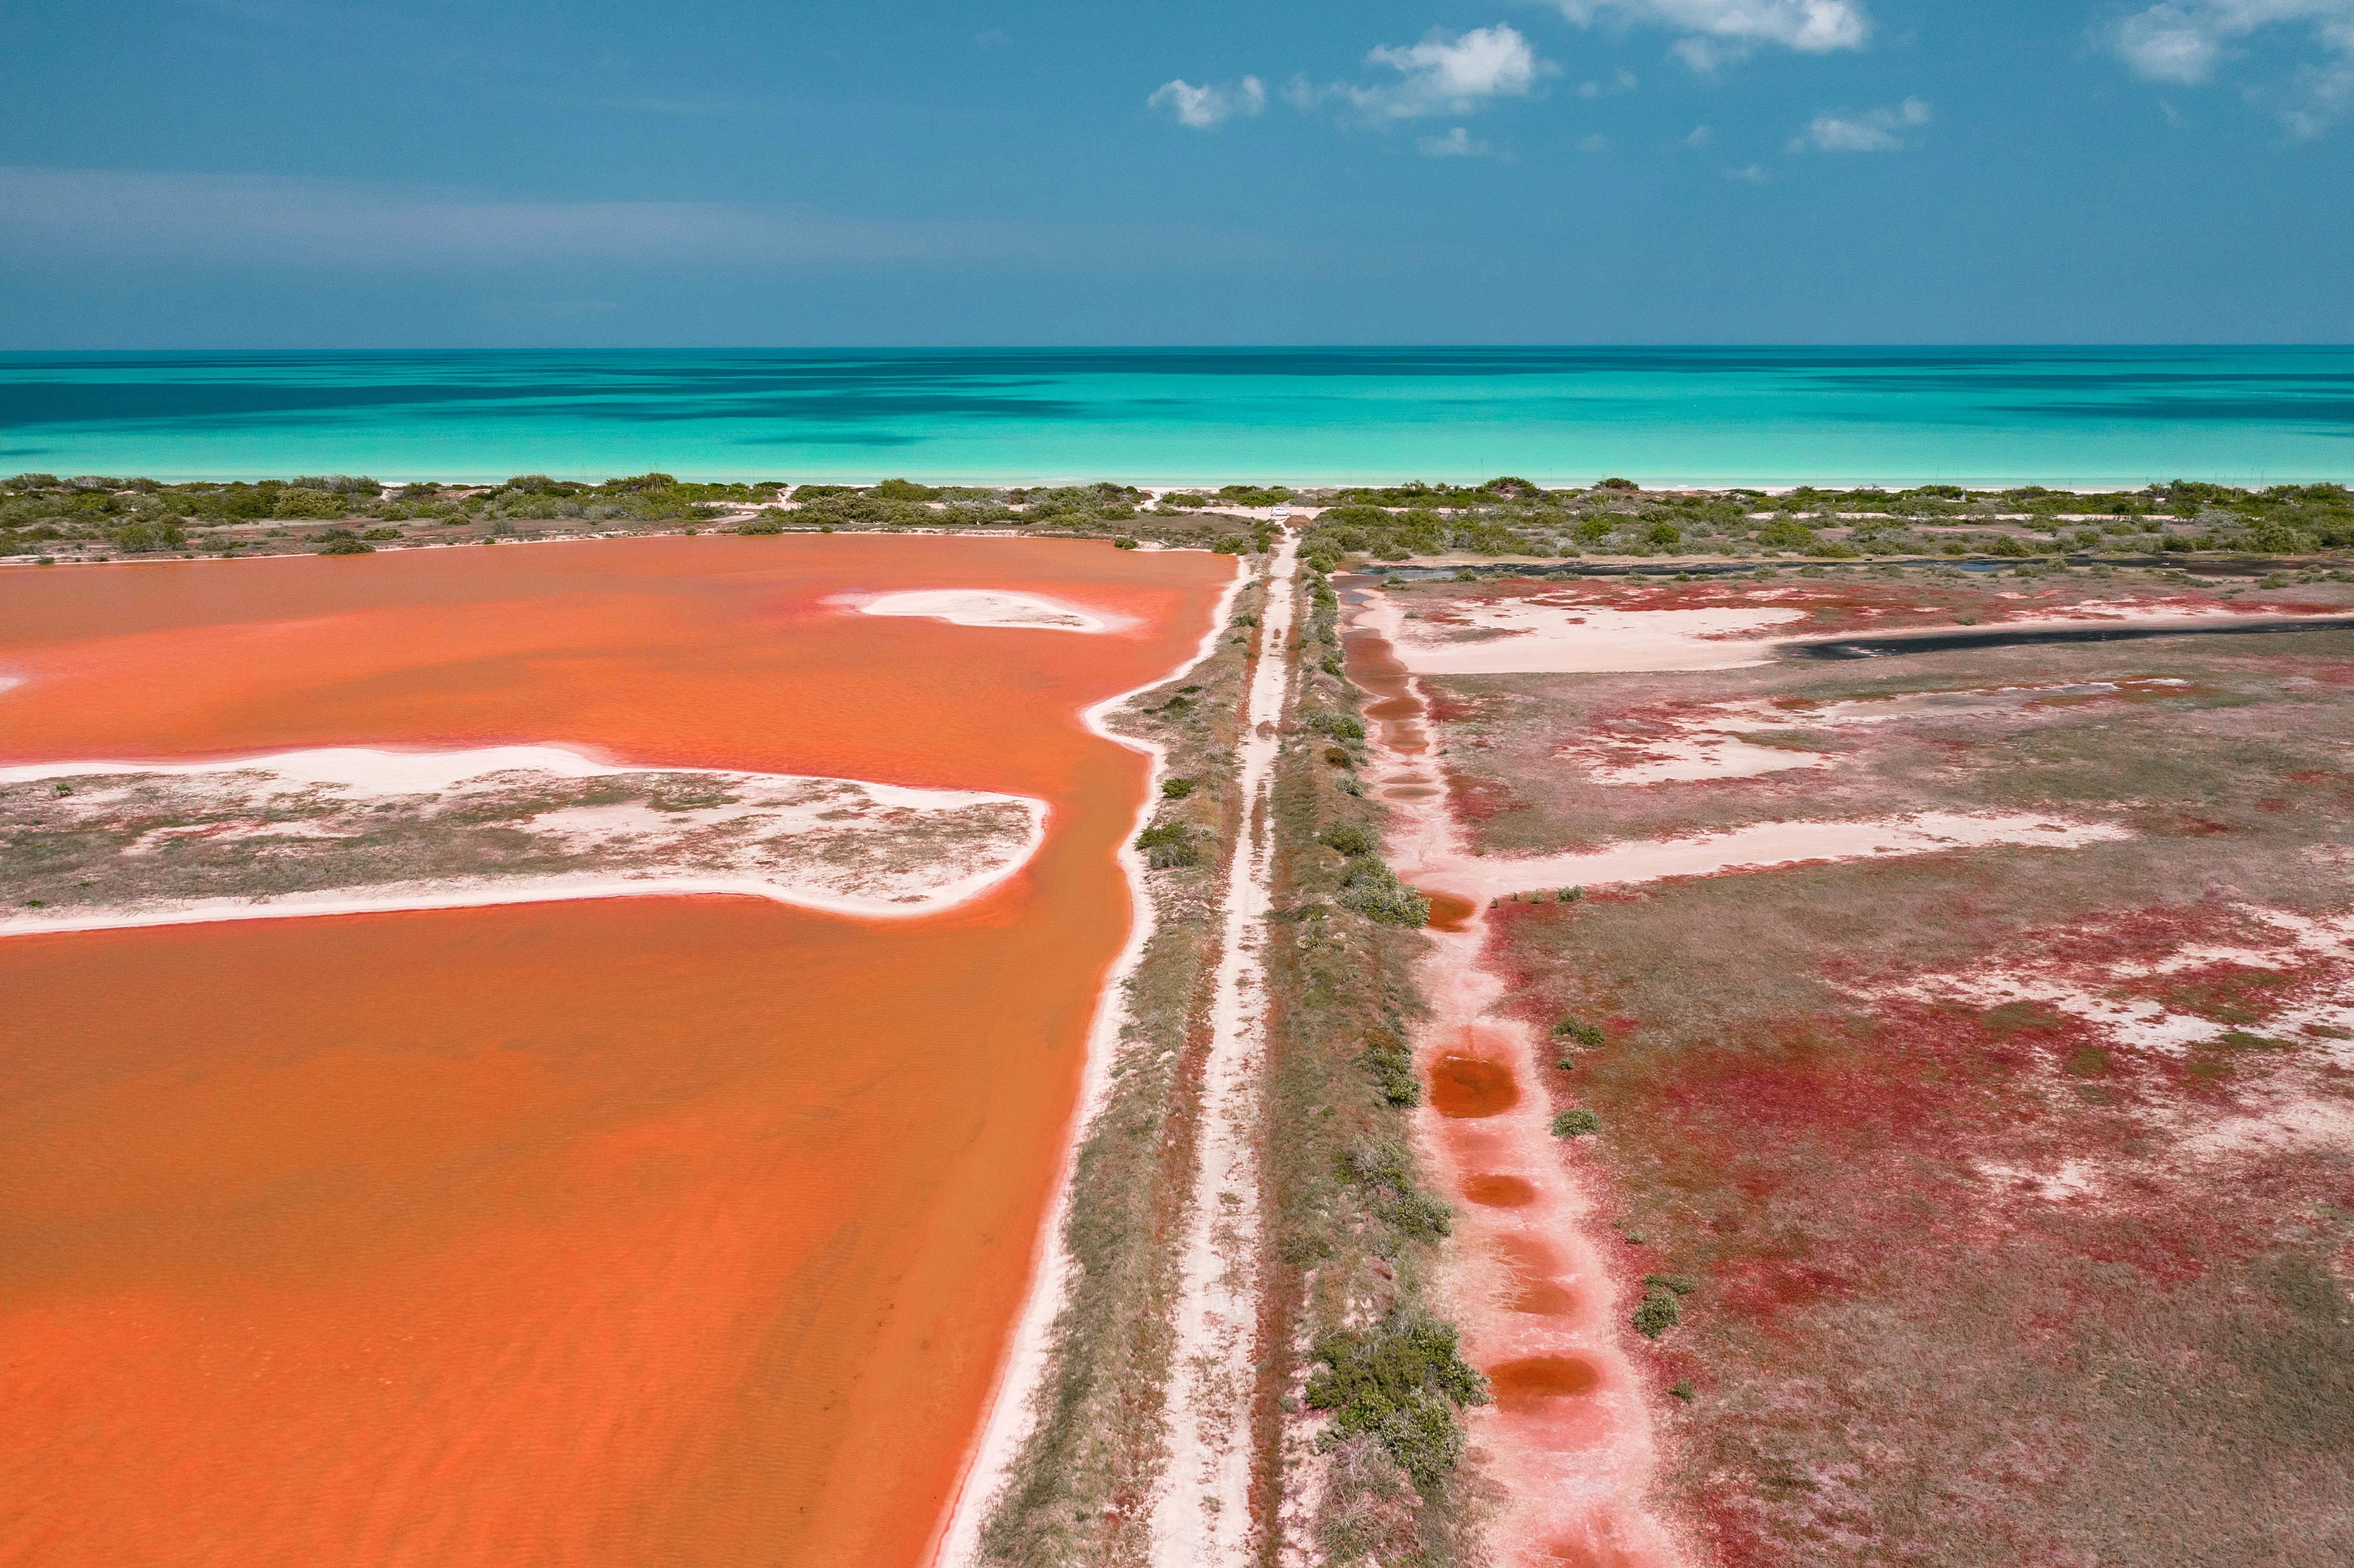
(349,173)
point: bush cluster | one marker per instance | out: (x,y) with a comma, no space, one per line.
(1661,1307)
(1400,1384)
(1169,844)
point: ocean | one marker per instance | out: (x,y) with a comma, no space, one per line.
(2068,415)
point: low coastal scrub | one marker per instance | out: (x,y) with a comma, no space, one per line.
(1576,1122)
(1616,518)
(98,517)
(1353,1228)
(1166,845)
(1372,889)
(1400,1384)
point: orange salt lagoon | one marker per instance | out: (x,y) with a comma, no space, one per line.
(678,1230)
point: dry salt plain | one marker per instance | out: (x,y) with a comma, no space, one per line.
(1957,1054)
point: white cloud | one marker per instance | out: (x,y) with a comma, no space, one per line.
(1622,82)
(1754,174)
(1441,75)
(1456,143)
(1206,107)
(1873,132)
(1717,31)
(1597,142)
(2185,41)
(2180,40)
(1701,136)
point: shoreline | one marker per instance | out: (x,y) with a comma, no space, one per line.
(1006,1415)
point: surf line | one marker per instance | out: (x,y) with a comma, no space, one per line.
(1010,1411)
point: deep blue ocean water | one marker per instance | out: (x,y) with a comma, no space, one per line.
(1772,416)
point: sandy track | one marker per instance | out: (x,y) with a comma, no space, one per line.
(1201,1515)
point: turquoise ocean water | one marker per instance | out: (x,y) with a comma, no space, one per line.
(1778,416)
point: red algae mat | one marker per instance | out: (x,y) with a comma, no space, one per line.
(646,1231)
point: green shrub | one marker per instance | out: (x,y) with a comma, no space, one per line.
(141,535)
(1340,726)
(1392,1066)
(1658,1312)
(903,490)
(1586,1034)
(387,532)
(349,545)
(1421,1215)
(1400,1384)
(310,504)
(1123,543)
(1169,844)
(1349,839)
(1176,789)
(1783,534)
(1576,1123)
(768,519)
(1382,1171)
(2010,545)
(1373,890)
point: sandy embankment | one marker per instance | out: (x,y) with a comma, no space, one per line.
(796,839)
(1012,1412)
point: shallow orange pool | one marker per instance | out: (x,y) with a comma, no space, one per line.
(678,1231)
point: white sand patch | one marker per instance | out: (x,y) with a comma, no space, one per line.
(1951,704)
(2101,995)
(368,826)
(1705,743)
(2131,1021)
(2132,610)
(975,607)
(2287,1122)
(1538,636)
(1697,755)
(1755,848)
(2072,1179)
(1012,1412)
(361,772)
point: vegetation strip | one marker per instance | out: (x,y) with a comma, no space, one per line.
(1082,1430)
